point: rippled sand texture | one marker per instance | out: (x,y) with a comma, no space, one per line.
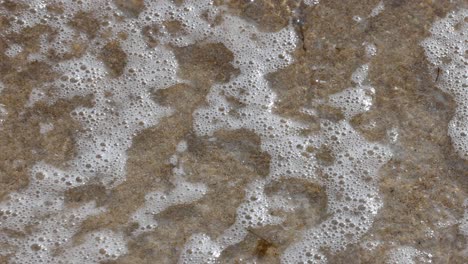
(233,131)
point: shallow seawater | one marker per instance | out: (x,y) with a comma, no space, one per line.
(232,131)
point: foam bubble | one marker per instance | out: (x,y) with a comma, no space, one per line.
(407,255)
(156,202)
(200,249)
(357,159)
(311,2)
(464,221)
(371,49)
(123,107)
(446,50)
(379,8)
(355,100)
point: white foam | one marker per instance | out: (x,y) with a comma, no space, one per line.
(463,225)
(355,100)
(182,146)
(40,208)
(45,127)
(200,249)
(357,159)
(407,255)
(108,129)
(156,202)
(3,115)
(371,49)
(98,247)
(357,18)
(110,125)
(13,50)
(379,8)
(311,2)
(446,50)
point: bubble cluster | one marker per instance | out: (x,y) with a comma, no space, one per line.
(355,100)
(311,2)
(379,8)
(122,107)
(353,197)
(407,255)
(464,221)
(156,202)
(447,49)
(41,209)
